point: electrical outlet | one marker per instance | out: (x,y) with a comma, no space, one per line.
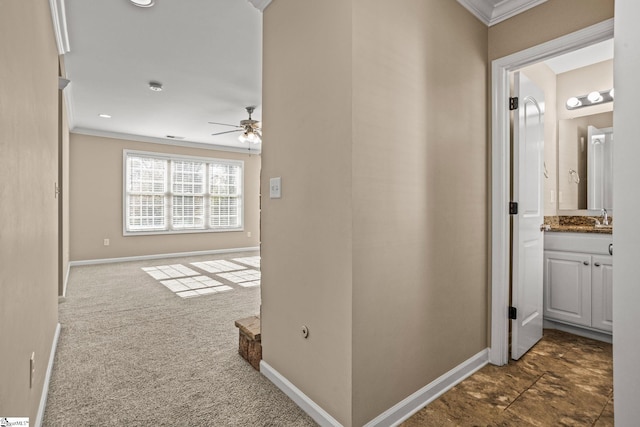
(248,234)
(32,369)
(106,242)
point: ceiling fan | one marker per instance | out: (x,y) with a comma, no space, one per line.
(251,129)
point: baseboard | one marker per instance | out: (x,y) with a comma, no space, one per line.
(159,256)
(318,414)
(577,330)
(66,280)
(47,378)
(394,415)
(427,394)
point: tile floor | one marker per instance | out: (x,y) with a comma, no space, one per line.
(564,380)
(221,276)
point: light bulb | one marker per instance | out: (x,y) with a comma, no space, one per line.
(594,97)
(243,137)
(252,137)
(573,102)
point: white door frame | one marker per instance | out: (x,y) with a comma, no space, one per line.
(501,171)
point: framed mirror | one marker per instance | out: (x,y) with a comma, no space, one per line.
(585,149)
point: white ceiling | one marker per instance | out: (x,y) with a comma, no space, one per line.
(582,57)
(206,53)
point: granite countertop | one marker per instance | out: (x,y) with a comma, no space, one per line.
(574,224)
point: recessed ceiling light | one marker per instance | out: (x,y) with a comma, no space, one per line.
(155,86)
(104,116)
(143,3)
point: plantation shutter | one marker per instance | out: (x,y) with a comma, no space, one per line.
(146,182)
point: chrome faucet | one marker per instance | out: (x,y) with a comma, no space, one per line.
(605,216)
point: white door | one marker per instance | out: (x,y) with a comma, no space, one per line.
(527,241)
(599,168)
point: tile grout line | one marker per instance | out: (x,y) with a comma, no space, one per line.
(524,391)
(603,408)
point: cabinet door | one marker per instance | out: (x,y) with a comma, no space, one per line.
(567,287)
(602,293)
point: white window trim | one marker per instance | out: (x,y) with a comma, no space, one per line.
(179,157)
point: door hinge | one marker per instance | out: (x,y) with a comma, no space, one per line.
(513,103)
(513,208)
(513,313)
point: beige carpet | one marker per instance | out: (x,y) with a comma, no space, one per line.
(133,353)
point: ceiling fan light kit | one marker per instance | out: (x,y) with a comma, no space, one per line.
(251,129)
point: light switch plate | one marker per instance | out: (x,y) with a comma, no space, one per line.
(275,188)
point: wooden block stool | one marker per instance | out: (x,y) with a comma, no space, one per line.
(249,345)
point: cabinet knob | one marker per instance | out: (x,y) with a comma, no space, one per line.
(610,248)
(585,262)
(597,264)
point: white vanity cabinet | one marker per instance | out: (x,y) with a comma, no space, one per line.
(578,272)
(567,287)
(602,293)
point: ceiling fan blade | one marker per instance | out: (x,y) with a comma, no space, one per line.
(228,131)
(225,124)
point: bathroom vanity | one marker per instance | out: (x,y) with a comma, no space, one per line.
(578,282)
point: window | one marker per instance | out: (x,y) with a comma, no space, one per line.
(167,194)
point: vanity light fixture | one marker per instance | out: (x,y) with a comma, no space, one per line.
(142,3)
(593,98)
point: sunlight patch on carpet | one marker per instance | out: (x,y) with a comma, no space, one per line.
(242,276)
(218,266)
(253,261)
(162,272)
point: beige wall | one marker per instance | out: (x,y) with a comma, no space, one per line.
(419,197)
(547,21)
(29,226)
(378,243)
(307,234)
(96,203)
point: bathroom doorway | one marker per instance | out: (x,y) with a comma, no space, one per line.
(501,171)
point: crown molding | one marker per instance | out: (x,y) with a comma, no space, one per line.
(162,141)
(261,5)
(491,12)
(58,15)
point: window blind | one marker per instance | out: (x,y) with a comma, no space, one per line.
(177,194)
